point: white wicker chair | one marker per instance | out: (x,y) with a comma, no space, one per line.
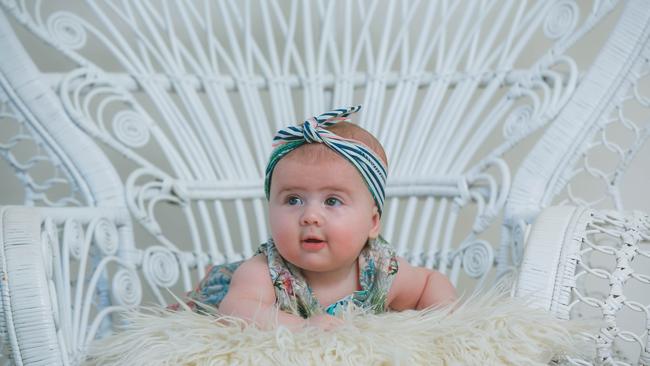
(170,107)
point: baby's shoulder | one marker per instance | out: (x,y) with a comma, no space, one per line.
(251,281)
(256,265)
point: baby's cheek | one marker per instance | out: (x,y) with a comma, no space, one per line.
(280,237)
(279,224)
(284,236)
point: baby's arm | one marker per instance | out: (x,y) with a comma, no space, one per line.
(419,288)
(251,297)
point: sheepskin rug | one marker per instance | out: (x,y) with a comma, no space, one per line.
(488,329)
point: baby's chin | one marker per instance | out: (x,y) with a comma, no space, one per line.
(324,265)
(318,270)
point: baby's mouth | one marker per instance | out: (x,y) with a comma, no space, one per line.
(313,244)
(313,241)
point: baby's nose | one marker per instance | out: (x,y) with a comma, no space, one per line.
(311,216)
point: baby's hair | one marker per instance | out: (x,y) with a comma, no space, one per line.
(346,130)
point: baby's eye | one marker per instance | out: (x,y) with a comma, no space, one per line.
(332,201)
(293,201)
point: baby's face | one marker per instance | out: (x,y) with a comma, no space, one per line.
(321,212)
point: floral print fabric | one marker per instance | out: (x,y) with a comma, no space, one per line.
(377,269)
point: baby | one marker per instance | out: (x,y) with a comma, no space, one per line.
(325,185)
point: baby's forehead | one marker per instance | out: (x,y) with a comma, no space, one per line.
(329,165)
(314,155)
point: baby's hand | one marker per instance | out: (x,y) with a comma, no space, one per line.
(324,321)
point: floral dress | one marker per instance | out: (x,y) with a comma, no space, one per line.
(377,269)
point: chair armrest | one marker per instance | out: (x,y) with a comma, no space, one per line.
(55,293)
(27,305)
(550,258)
(593,264)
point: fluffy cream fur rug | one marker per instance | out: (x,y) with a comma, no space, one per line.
(488,329)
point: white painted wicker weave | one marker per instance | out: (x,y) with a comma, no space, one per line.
(170,106)
(585,263)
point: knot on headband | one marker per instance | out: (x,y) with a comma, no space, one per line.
(310,131)
(369,165)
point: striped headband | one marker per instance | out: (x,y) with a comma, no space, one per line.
(371,167)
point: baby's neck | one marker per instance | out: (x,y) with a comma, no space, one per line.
(332,286)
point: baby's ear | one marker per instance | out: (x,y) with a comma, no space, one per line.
(376,223)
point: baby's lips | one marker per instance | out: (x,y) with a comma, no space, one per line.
(312,239)
(313,245)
